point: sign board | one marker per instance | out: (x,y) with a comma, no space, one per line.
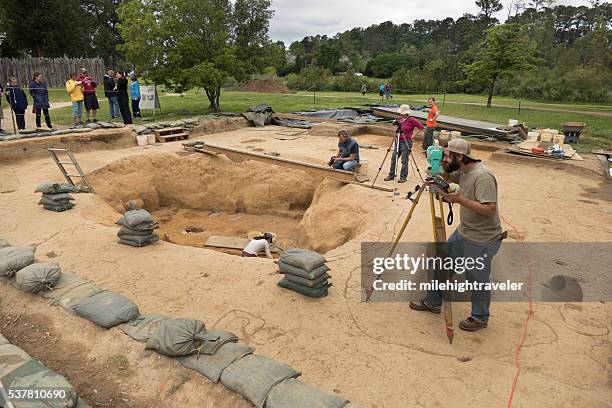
(148,97)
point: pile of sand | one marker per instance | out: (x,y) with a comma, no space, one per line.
(268,85)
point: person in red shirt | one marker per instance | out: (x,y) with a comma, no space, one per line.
(432,116)
(89,95)
(406,125)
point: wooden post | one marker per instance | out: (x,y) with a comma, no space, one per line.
(519,108)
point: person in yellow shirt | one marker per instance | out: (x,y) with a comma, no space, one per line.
(74,87)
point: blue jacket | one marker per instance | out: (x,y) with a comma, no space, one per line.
(135,90)
(40,95)
(16,98)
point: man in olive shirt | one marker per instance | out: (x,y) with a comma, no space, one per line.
(479,234)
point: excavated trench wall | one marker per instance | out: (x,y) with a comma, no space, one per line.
(200,182)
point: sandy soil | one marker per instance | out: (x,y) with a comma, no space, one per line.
(376,354)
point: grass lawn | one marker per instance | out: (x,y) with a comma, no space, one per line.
(597,134)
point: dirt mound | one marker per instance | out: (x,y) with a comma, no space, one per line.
(269,85)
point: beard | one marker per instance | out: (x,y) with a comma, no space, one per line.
(452,166)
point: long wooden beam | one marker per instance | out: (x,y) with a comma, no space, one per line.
(241,155)
(322,171)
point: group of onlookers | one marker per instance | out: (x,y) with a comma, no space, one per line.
(82,91)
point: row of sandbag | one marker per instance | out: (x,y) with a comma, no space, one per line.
(18,370)
(305,272)
(137,227)
(213,353)
(56,196)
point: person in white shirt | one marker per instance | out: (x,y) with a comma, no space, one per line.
(258,244)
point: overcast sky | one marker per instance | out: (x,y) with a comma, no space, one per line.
(295,19)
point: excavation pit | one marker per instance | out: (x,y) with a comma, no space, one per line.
(197,196)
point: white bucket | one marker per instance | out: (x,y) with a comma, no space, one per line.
(141,140)
(512,122)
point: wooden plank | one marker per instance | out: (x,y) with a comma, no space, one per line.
(448,122)
(220,241)
(169,130)
(322,171)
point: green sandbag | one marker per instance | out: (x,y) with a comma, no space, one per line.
(213,339)
(3,340)
(138,242)
(302,258)
(143,327)
(11,358)
(51,187)
(212,366)
(138,239)
(33,375)
(177,337)
(136,219)
(130,231)
(4,243)
(254,376)
(38,276)
(13,259)
(316,292)
(58,207)
(295,394)
(292,270)
(45,201)
(61,197)
(307,282)
(71,296)
(107,309)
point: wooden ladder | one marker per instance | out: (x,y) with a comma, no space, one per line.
(84,184)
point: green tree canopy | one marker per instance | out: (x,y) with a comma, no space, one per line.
(505,51)
(186,44)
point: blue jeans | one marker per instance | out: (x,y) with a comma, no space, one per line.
(113,107)
(345,165)
(405,147)
(77,109)
(461,247)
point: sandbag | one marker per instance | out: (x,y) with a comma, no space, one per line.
(58,207)
(33,375)
(38,276)
(177,337)
(11,358)
(13,259)
(130,231)
(139,239)
(254,376)
(318,291)
(143,327)
(212,366)
(61,197)
(139,243)
(51,187)
(213,339)
(107,309)
(3,340)
(45,201)
(292,270)
(136,219)
(4,243)
(302,258)
(307,282)
(295,394)
(71,297)
(66,282)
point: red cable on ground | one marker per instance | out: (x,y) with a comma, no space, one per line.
(517,360)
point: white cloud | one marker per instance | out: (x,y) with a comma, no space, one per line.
(293,20)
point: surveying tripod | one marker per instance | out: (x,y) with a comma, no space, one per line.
(434,186)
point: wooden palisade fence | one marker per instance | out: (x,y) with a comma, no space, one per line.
(55,70)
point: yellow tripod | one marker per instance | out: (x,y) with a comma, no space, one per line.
(439,234)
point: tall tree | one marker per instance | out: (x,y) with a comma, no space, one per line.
(488,8)
(250,24)
(187,45)
(505,51)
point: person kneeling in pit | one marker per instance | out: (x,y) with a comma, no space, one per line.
(258,244)
(347,157)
